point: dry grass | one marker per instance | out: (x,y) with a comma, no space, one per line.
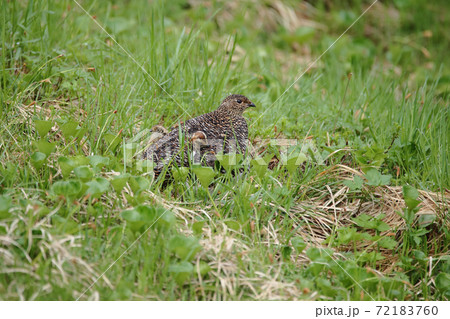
(22,259)
(320,216)
(226,254)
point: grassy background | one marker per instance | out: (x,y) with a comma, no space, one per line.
(344,225)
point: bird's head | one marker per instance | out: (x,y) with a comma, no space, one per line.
(235,104)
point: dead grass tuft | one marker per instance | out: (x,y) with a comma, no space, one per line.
(23,257)
(319,216)
(226,255)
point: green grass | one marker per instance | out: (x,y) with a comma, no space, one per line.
(346,224)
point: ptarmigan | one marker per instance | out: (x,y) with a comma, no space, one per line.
(221,131)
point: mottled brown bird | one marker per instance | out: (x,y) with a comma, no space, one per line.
(221,131)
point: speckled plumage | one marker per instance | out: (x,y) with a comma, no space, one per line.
(221,131)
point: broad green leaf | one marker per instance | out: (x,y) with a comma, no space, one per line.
(385,179)
(365,256)
(131,215)
(44,147)
(43,127)
(133,218)
(410,194)
(68,188)
(294,161)
(205,175)
(65,225)
(98,161)
(419,255)
(356,184)
(365,221)
(119,182)
(139,184)
(84,173)
(66,165)
(181,271)
(417,240)
(358,274)
(80,160)
(368,222)
(442,281)
(167,218)
(234,225)
(38,159)
(388,242)
(184,247)
(197,227)
(148,215)
(80,133)
(375,178)
(69,129)
(5,205)
(382,226)
(315,268)
(374,155)
(347,235)
(180,174)
(316,254)
(259,166)
(97,187)
(229,161)
(426,219)
(326,287)
(420,232)
(286,252)
(203,268)
(111,140)
(298,243)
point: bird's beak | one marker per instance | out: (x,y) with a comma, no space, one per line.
(251,105)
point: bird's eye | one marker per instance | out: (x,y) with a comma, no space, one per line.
(239,101)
